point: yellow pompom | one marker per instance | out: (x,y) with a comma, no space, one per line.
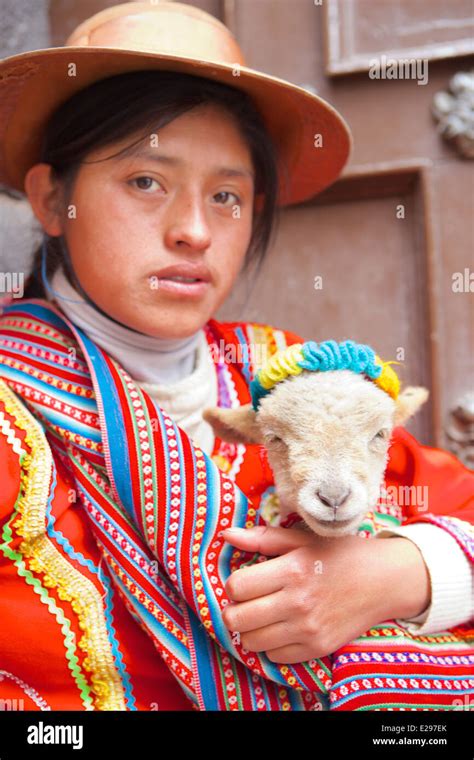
(280,365)
(388,379)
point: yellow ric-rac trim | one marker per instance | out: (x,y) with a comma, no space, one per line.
(45,558)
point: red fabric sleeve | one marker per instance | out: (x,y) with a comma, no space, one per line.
(447,483)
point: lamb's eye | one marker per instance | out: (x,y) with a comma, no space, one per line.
(382,434)
(273,439)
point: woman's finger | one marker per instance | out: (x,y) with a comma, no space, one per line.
(258,580)
(256,613)
(268,540)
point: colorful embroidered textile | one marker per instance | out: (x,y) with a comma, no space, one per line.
(156,504)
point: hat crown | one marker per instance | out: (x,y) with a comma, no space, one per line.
(166,28)
(166,36)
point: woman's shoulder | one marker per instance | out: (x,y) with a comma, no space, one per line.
(15,431)
(25,453)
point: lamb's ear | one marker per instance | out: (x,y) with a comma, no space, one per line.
(408,403)
(237,425)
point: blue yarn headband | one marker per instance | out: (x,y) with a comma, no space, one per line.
(323,357)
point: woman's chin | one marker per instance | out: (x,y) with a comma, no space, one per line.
(166,324)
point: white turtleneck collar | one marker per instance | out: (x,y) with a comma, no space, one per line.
(179,374)
(144,357)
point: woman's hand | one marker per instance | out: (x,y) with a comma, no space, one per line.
(318,594)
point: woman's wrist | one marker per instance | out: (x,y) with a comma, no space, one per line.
(406,586)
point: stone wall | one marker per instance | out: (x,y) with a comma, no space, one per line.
(25,26)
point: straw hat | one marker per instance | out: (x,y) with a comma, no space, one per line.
(168,36)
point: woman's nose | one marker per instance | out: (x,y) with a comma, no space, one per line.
(189,226)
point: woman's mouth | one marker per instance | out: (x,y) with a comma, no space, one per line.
(181,286)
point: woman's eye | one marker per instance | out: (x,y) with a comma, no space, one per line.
(228,194)
(143,182)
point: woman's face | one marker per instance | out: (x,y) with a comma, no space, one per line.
(186,201)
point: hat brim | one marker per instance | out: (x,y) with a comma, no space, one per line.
(34,84)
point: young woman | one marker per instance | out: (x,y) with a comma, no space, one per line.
(156,182)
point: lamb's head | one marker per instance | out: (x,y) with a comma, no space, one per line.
(327,435)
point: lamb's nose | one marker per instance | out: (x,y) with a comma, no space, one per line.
(333,497)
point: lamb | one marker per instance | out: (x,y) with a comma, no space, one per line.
(325,413)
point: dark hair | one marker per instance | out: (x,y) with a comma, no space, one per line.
(113,108)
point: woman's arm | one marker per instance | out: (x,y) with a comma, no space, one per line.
(451,578)
(436,493)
